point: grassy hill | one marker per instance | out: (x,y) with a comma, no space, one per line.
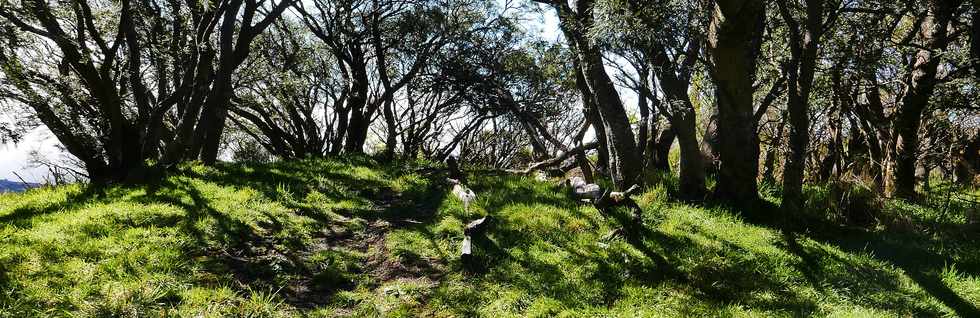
(353,238)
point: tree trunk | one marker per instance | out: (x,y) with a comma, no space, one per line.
(829,165)
(967,162)
(680,112)
(343,119)
(356,133)
(710,142)
(803,51)
(583,163)
(179,147)
(391,140)
(592,115)
(691,170)
(659,149)
(212,122)
(735,36)
(359,120)
(919,88)
(643,105)
(624,161)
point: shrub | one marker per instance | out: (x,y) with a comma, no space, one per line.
(845,202)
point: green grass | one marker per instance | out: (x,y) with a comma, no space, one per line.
(353,238)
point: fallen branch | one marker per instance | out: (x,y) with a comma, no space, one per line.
(620,196)
(609,200)
(560,157)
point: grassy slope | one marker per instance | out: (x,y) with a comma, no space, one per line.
(329,238)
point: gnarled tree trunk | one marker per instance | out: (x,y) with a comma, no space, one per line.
(919,85)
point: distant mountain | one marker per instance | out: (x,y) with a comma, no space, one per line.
(15,186)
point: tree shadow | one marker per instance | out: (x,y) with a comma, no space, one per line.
(899,249)
(720,283)
(232,246)
(661,261)
(21,216)
(923,266)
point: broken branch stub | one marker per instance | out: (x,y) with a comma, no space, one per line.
(466,250)
(620,196)
(454,171)
(477,227)
(561,157)
(611,200)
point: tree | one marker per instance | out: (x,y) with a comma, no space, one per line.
(116,93)
(380,44)
(674,74)
(669,54)
(805,35)
(734,39)
(596,86)
(919,85)
(233,48)
(286,90)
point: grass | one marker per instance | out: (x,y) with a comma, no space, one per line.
(350,237)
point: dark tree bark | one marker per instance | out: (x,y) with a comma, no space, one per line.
(735,36)
(873,126)
(680,112)
(967,164)
(659,149)
(233,50)
(919,88)
(115,153)
(624,162)
(830,163)
(592,116)
(643,104)
(710,142)
(804,41)
(625,165)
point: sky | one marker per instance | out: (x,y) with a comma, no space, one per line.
(15,157)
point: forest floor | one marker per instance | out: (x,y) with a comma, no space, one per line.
(353,238)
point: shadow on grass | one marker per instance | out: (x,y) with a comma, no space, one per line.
(820,269)
(907,250)
(901,249)
(923,266)
(21,216)
(665,258)
(719,283)
(260,261)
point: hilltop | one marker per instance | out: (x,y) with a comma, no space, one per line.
(353,237)
(14,186)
